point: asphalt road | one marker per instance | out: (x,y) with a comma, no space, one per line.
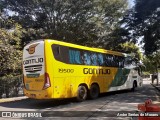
(105,107)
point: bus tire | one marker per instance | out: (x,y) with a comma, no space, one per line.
(82,93)
(94,91)
(134,86)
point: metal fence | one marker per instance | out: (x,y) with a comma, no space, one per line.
(11,86)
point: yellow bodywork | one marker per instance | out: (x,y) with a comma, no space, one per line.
(65,85)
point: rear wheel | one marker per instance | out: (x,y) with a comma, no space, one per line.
(94,91)
(134,86)
(81,93)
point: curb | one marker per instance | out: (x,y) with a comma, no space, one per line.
(155,87)
(3,100)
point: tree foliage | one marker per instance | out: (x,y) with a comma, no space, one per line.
(143,21)
(130,48)
(152,62)
(144,9)
(86,22)
(10,49)
(118,37)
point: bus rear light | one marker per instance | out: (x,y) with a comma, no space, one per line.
(46,81)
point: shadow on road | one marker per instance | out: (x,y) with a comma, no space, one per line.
(36,104)
(42,104)
(138,96)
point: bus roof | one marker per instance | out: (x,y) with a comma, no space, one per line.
(80,47)
(33,41)
(86,48)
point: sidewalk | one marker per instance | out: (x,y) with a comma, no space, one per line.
(153,84)
(12,99)
(156,86)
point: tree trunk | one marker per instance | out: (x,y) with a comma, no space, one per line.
(157,75)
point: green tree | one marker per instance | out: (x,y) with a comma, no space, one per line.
(143,21)
(86,22)
(109,13)
(152,62)
(118,37)
(10,54)
(130,48)
(10,49)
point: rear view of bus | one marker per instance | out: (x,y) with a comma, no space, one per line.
(36,80)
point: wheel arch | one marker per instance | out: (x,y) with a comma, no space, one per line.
(95,83)
(84,84)
(81,96)
(135,82)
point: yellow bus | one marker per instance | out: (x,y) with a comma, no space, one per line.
(54,69)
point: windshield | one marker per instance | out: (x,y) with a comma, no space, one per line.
(130,62)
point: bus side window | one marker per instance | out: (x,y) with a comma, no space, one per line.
(121,62)
(106,60)
(56,52)
(93,59)
(86,58)
(117,61)
(100,59)
(109,60)
(74,57)
(60,53)
(114,61)
(127,61)
(64,53)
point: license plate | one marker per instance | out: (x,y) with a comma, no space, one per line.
(33,95)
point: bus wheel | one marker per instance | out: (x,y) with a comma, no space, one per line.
(94,91)
(81,93)
(134,86)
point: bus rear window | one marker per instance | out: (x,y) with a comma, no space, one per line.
(60,53)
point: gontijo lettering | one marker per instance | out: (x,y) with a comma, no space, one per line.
(96,71)
(32,61)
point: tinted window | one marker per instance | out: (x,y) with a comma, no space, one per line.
(86,58)
(100,59)
(74,56)
(93,59)
(113,60)
(121,61)
(56,52)
(109,60)
(78,56)
(128,61)
(60,53)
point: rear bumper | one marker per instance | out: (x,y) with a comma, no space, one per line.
(37,94)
